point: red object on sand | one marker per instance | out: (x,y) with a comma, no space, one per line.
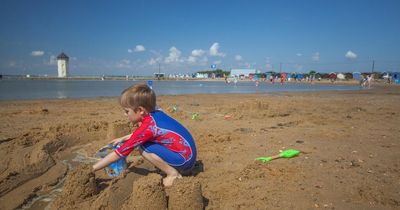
(227,117)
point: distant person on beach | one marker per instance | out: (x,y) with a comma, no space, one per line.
(369,80)
(161,140)
(312,78)
(362,81)
(235,81)
(282,79)
(389,79)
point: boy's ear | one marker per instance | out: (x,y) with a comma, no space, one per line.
(142,110)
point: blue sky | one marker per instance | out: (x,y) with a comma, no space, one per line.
(136,37)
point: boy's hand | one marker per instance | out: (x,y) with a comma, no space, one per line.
(117,140)
(120,139)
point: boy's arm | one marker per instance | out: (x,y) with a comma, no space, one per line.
(142,134)
(107,160)
(120,139)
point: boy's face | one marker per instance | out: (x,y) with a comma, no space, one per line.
(134,116)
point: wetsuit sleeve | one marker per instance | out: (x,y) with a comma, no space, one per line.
(140,136)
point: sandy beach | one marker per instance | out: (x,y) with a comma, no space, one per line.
(349,143)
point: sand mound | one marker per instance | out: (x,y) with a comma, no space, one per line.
(116,194)
(148,193)
(80,184)
(118,129)
(27,158)
(185,194)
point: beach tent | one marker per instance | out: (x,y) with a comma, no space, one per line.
(318,76)
(242,72)
(384,75)
(300,76)
(269,74)
(290,77)
(251,76)
(332,75)
(340,76)
(255,76)
(396,77)
(357,75)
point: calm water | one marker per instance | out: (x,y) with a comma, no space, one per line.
(52,89)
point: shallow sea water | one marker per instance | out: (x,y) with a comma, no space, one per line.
(58,89)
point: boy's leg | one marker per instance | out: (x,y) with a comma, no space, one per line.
(171,172)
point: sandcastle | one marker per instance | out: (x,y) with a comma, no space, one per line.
(185,193)
(147,193)
(79,185)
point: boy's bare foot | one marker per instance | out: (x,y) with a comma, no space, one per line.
(169,180)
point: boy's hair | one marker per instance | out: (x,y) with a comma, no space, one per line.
(138,95)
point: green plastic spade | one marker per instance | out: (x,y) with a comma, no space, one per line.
(195,115)
(289,153)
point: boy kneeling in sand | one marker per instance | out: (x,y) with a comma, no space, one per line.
(162,140)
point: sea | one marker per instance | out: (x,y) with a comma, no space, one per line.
(17,89)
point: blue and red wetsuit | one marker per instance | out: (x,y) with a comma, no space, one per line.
(162,135)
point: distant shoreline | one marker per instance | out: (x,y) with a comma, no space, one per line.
(21,77)
(139,78)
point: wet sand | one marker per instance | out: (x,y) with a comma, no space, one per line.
(349,143)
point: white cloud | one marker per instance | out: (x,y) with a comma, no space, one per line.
(139,48)
(197,60)
(130,51)
(174,55)
(52,60)
(204,61)
(351,55)
(154,61)
(217,62)
(124,63)
(299,54)
(196,57)
(197,52)
(214,50)
(238,57)
(315,56)
(192,59)
(156,53)
(37,53)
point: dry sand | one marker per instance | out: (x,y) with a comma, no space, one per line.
(349,143)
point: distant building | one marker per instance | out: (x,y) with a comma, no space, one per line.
(242,72)
(62,63)
(201,75)
(159,75)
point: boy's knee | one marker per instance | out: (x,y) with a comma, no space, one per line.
(141,151)
(144,154)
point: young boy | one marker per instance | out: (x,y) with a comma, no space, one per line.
(163,141)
